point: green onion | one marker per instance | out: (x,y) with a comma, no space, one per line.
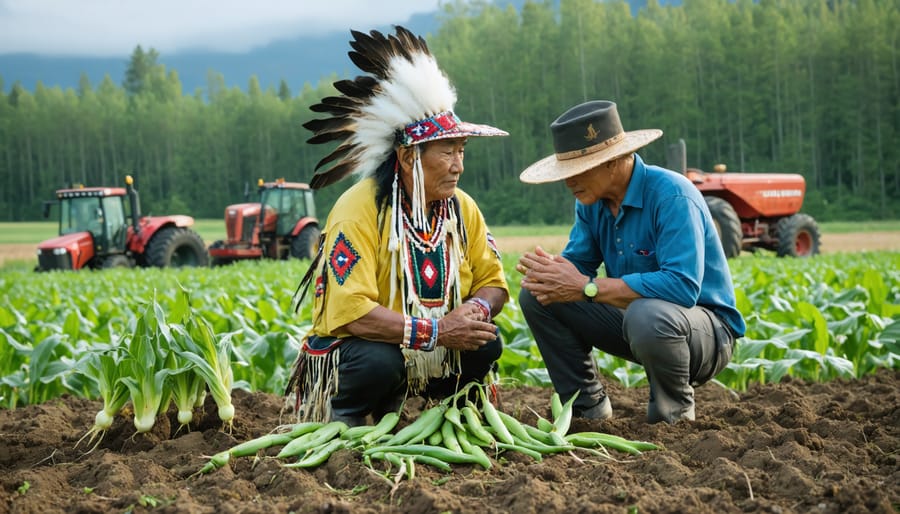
(197,343)
(188,389)
(144,369)
(103,368)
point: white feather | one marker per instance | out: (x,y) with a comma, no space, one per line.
(415,90)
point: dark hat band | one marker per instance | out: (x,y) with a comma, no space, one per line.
(591,149)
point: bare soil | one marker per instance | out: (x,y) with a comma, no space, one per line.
(831,243)
(781,448)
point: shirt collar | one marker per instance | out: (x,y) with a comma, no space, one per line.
(634,194)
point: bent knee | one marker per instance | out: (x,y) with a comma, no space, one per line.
(492,350)
(385,357)
(649,320)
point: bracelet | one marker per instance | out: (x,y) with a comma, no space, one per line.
(407,330)
(420,333)
(432,341)
(483,305)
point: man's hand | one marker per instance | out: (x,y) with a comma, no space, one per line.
(551,278)
(463,329)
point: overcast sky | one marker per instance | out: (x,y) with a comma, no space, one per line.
(114,27)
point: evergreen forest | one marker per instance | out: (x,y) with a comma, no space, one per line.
(795,86)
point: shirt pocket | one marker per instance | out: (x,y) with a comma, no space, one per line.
(642,260)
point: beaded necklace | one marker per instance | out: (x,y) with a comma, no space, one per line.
(427,258)
(425,253)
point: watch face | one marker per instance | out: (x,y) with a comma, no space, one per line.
(590,289)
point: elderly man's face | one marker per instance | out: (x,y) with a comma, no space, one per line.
(601,182)
(442,164)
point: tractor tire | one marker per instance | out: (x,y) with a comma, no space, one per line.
(798,236)
(728,225)
(306,244)
(116,261)
(176,247)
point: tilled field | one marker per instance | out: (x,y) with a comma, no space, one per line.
(780,448)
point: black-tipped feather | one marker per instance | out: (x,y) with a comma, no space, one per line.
(328,125)
(325,178)
(373,51)
(373,54)
(338,153)
(327,137)
(361,87)
(336,105)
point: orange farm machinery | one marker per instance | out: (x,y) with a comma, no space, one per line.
(754,210)
(281,225)
(102,227)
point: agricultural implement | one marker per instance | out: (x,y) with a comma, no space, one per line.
(753,210)
(281,225)
(99,229)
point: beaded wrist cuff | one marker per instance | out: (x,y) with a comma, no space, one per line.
(483,305)
(420,333)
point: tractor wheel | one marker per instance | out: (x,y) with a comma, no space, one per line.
(176,247)
(305,245)
(798,236)
(116,261)
(728,225)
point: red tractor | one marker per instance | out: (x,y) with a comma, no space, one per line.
(99,229)
(282,224)
(754,210)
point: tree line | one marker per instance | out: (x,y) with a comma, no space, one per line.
(797,86)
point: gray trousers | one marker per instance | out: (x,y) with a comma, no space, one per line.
(678,347)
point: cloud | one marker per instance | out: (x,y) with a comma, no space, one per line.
(114,27)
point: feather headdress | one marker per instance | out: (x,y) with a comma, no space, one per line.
(406,100)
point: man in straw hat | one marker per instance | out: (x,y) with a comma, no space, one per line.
(408,278)
(666,301)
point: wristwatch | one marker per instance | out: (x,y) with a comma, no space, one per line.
(590,290)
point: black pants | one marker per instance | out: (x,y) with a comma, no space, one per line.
(678,347)
(372,376)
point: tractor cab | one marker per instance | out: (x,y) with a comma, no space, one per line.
(103,216)
(281,225)
(92,225)
(284,205)
(102,227)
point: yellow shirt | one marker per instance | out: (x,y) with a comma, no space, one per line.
(356,273)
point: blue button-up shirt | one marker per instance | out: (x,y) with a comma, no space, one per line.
(663,243)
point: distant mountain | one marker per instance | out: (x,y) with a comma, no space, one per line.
(297,61)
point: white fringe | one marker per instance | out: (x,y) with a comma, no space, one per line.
(419,218)
(320,383)
(394,238)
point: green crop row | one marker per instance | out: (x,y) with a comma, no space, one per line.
(830,316)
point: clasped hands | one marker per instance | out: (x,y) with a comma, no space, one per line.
(550,278)
(464,328)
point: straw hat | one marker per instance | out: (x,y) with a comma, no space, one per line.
(585,137)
